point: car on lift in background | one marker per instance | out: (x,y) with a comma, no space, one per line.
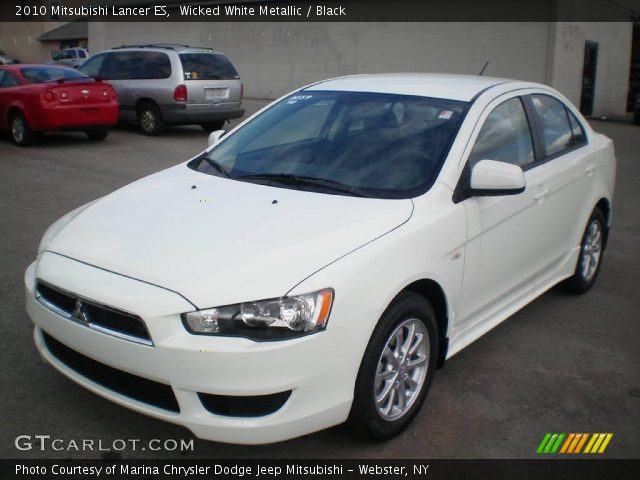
(52,98)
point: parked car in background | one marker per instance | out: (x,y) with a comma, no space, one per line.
(6,59)
(321,260)
(49,98)
(70,57)
(160,85)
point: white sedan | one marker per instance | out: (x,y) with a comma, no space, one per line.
(320,261)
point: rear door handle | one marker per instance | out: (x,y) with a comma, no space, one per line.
(541,194)
(590,169)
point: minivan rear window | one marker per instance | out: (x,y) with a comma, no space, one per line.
(207,66)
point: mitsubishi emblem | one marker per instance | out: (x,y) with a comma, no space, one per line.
(79,312)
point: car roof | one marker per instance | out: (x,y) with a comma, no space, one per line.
(437,85)
(164,47)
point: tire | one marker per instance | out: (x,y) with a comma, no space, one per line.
(585,274)
(150,120)
(387,419)
(21,133)
(213,126)
(97,135)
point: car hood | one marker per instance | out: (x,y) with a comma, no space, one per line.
(218,241)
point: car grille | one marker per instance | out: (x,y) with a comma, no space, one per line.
(244,406)
(98,317)
(141,389)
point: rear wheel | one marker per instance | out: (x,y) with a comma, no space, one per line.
(21,133)
(213,126)
(590,259)
(150,119)
(97,135)
(397,368)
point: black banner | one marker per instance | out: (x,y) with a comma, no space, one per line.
(320,10)
(198,469)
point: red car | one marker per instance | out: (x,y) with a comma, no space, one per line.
(45,98)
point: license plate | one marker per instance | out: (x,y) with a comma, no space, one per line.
(89,112)
(216,93)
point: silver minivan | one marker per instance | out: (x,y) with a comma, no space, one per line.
(162,84)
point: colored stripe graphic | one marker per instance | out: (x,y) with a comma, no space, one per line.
(550,443)
(572,443)
(598,442)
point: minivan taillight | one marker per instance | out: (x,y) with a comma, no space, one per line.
(180,93)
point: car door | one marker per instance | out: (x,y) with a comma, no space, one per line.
(505,233)
(116,69)
(569,172)
(8,82)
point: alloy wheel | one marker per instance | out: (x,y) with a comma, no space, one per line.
(591,250)
(401,369)
(148,121)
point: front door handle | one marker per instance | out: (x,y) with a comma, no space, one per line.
(541,194)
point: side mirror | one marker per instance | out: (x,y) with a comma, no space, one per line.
(214,137)
(492,178)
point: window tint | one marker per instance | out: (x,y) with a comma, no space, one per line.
(137,65)
(505,136)
(304,124)
(380,145)
(67,54)
(8,80)
(579,137)
(207,66)
(49,73)
(93,66)
(82,54)
(554,122)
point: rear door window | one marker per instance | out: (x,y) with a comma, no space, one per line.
(557,133)
(8,80)
(207,66)
(137,66)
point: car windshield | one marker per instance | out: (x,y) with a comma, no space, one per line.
(207,66)
(352,143)
(48,74)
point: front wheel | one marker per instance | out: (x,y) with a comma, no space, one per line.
(21,133)
(590,259)
(397,368)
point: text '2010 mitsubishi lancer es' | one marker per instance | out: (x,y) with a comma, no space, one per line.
(317,263)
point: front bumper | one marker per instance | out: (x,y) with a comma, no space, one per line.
(319,370)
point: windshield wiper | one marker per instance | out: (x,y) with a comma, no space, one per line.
(292,179)
(216,166)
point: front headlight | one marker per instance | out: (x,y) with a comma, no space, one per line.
(274,319)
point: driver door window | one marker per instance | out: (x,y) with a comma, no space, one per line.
(505,136)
